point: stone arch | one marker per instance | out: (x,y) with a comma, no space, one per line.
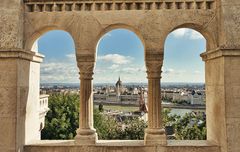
(205,32)
(31,38)
(119,26)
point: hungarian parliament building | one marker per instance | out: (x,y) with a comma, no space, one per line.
(120,95)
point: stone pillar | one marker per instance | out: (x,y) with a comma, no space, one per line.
(86,134)
(19,96)
(154,134)
(222,97)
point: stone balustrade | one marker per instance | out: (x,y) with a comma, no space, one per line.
(43,109)
(43,102)
(74,5)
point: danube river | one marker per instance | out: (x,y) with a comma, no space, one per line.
(182,112)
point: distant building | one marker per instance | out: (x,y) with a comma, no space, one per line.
(191,96)
(119,95)
(119,87)
(43,109)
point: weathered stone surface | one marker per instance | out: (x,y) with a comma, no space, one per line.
(22,22)
(123,146)
(11,24)
(8,133)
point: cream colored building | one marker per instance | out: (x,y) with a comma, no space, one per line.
(22,22)
(43,109)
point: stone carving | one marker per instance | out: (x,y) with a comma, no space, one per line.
(56,6)
(154,69)
(86,70)
(154,61)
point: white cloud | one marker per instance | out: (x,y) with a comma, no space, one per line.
(116,58)
(71,56)
(56,71)
(188,33)
(196,35)
(131,70)
(114,66)
(197,72)
(168,71)
(173,72)
(179,32)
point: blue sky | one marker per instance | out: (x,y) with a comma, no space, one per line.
(120,53)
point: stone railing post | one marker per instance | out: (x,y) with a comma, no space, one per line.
(86,134)
(154,134)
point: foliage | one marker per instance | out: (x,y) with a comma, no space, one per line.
(192,126)
(106,127)
(168,118)
(109,129)
(100,107)
(134,129)
(63,117)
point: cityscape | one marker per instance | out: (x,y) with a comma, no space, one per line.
(125,101)
(120,76)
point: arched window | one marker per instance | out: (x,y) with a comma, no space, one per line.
(59,78)
(183,85)
(120,87)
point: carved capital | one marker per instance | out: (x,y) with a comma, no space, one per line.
(154,69)
(86,70)
(86,64)
(154,61)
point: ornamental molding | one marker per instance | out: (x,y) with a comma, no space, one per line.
(219,52)
(154,69)
(21,54)
(116,5)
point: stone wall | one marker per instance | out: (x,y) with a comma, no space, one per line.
(23,22)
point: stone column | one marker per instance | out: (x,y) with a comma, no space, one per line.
(222,97)
(86,134)
(154,134)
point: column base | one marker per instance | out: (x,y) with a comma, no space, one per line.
(155,137)
(86,137)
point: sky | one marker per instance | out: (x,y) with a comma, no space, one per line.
(121,53)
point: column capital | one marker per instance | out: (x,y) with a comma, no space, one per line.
(86,63)
(154,69)
(154,62)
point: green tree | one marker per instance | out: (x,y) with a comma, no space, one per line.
(62,122)
(134,129)
(62,119)
(192,126)
(106,127)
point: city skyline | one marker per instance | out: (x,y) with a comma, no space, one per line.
(121,53)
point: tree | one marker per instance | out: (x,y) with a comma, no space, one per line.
(63,117)
(106,127)
(62,121)
(134,129)
(192,126)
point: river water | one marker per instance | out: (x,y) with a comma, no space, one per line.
(182,112)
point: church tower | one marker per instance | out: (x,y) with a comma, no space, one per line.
(119,87)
